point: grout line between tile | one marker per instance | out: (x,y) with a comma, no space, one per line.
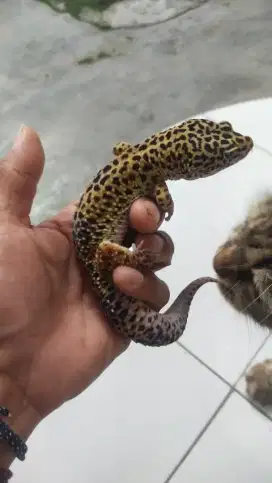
(258,408)
(203,363)
(234,385)
(217,373)
(209,422)
(251,360)
(232,389)
(199,436)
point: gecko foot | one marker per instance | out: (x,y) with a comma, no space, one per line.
(111,255)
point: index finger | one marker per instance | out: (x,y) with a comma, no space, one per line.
(145,216)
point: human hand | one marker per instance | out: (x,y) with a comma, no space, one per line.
(54,340)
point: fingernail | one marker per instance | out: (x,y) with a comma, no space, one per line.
(20,137)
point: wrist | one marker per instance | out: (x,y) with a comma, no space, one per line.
(22,420)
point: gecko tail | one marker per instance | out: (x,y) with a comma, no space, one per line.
(169,327)
(183,301)
(136,321)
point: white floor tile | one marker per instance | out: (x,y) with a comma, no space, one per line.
(264,353)
(131,426)
(205,212)
(236,448)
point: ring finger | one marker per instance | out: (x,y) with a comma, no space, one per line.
(143,286)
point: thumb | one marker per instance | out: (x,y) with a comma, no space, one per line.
(20,172)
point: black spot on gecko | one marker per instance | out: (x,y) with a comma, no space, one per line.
(107,196)
(147,167)
(123,314)
(96,179)
(116,180)
(136,157)
(104,179)
(142,147)
(106,168)
(123,170)
(208,148)
(132,177)
(226,135)
(92,221)
(146,157)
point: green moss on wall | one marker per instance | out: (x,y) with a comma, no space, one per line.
(74,7)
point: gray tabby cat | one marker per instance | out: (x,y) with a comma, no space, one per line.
(244,268)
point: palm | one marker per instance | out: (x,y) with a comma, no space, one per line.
(55,353)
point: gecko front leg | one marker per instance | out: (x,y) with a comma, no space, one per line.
(164,199)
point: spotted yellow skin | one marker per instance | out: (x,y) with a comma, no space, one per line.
(194,149)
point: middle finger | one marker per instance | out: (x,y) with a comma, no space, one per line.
(142,286)
(159,243)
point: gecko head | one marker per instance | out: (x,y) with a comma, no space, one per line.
(207,147)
